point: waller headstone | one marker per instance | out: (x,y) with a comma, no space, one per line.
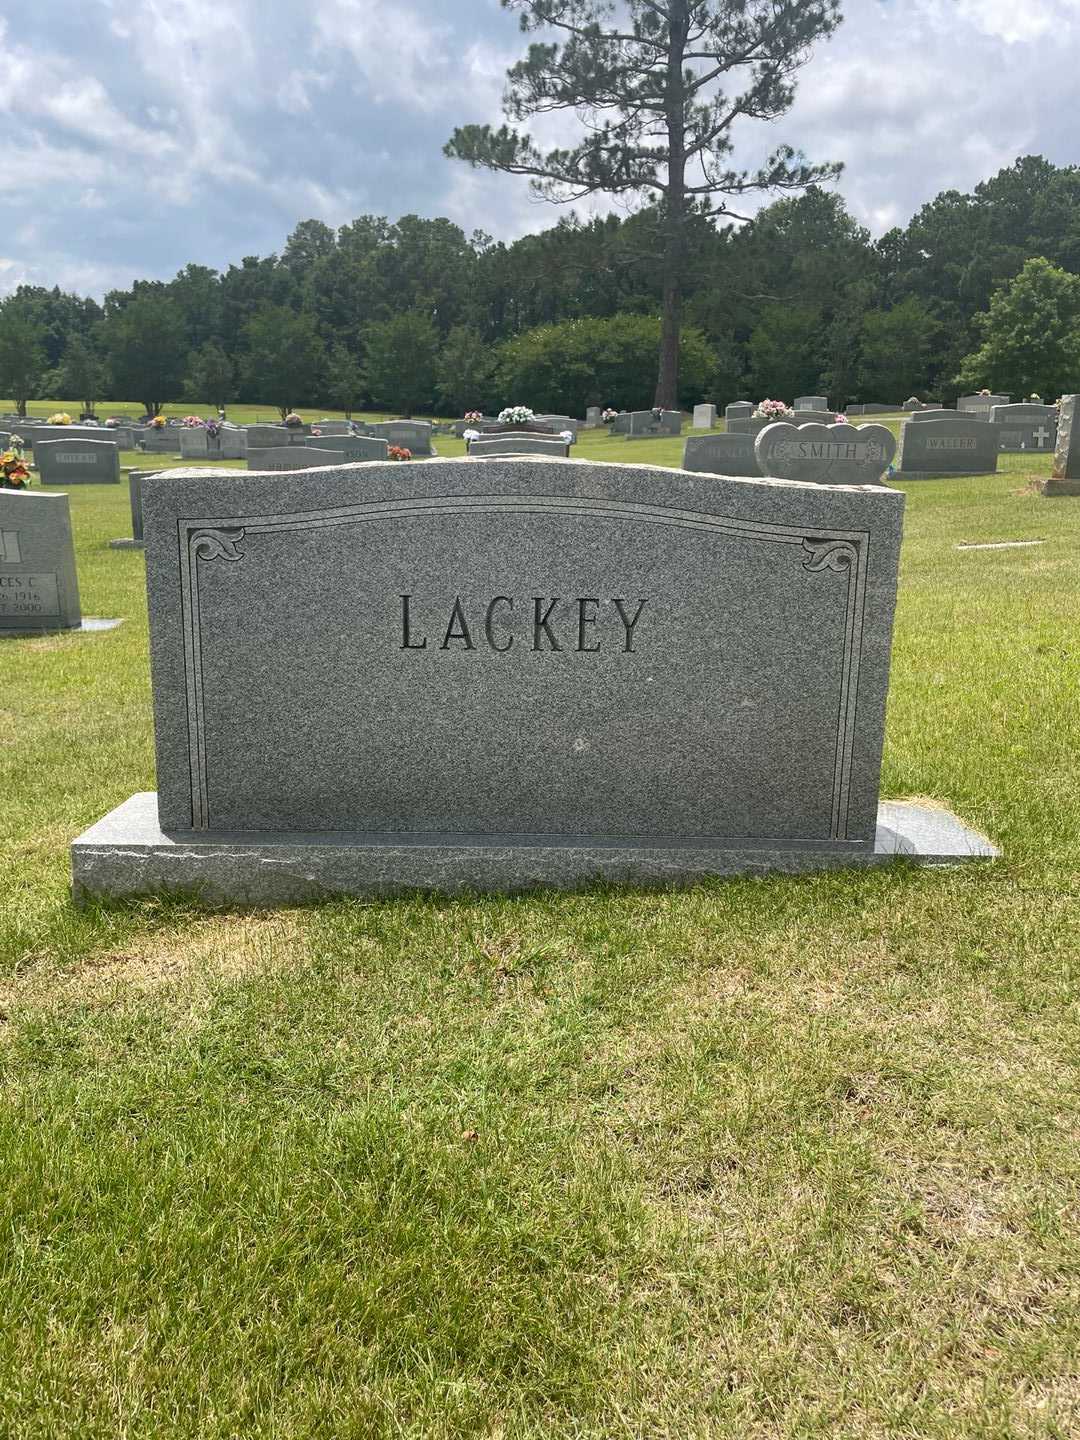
(952,445)
(39,588)
(493,677)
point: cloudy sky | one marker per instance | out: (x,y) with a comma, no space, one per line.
(139,135)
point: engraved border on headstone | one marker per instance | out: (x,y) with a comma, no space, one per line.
(210,540)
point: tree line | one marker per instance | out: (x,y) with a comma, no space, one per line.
(416,316)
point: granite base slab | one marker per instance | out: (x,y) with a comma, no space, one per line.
(1058,489)
(126,854)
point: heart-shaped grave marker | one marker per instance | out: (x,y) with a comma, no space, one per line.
(825,454)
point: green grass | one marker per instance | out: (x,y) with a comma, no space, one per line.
(782,1158)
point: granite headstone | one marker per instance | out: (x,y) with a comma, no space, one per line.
(704,417)
(1026,427)
(952,445)
(720,455)
(1065,479)
(39,587)
(825,454)
(78,462)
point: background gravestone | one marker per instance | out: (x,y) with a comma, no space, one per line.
(1065,479)
(160,440)
(294,457)
(350,447)
(980,405)
(196,443)
(135,488)
(520,445)
(811,402)
(647,424)
(232,442)
(593,419)
(721,455)
(738,410)
(825,454)
(411,435)
(78,462)
(1026,427)
(939,412)
(954,445)
(39,587)
(330,427)
(266,437)
(704,417)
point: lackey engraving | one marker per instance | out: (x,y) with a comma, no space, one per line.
(573,628)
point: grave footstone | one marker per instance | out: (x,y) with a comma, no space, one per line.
(1026,427)
(1065,479)
(39,587)
(952,445)
(704,417)
(720,455)
(705,696)
(78,462)
(825,454)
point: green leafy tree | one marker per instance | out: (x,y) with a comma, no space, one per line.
(659,85)
(1031,335)
(566,367)
(785,352)
(211,376)
(463,371)
(400,362)
(146,347)
(82,373)
(285,358)
(895,351)
(344,381)
(22,353)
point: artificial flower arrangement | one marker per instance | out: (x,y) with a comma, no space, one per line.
(158,422)
(516,415)
(111,423)
(292,420)
(773,410)
(60,418)
(212,428)
(191,421)
(473,416)
(984,392)
(398,452)
(1034,399)
(839,419)
(470,434)
(608,416)
(14,472)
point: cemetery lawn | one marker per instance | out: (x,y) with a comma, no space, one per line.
(762,1158)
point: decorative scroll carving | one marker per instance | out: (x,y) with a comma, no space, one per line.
(829,555)
(216,544)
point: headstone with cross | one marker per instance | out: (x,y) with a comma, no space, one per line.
(1026,427)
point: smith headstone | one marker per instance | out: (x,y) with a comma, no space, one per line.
(825,454)
(39,587)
